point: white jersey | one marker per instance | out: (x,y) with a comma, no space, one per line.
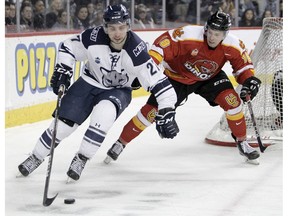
(108,68)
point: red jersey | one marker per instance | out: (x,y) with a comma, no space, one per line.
(186,57)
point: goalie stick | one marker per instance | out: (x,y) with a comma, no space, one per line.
(48,201)
(249,104)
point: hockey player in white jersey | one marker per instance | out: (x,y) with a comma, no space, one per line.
(116,59)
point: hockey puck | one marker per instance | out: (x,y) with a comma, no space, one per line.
(69,201)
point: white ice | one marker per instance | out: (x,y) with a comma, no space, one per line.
(153,177)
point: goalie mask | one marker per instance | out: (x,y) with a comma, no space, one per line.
(116,14)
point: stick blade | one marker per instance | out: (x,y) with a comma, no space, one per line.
(262,148)
(48,201)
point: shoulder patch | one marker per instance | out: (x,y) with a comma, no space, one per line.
(241,44)
(136,49)
(139,48)
(94,33)
(164,43)
(177,33)
(94,36)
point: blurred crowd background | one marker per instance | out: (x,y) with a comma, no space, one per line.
(68,15)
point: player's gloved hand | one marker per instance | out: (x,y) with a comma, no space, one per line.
(62,75)
(166,124)
(250,86)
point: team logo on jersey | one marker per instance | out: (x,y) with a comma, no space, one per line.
(114,61)
(177,32)
(164,43)
(113,78)
(194,52)
(202,69)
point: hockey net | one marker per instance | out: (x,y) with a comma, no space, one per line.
(267,105)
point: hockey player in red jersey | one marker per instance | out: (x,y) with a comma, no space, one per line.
(115,57)
(193,58)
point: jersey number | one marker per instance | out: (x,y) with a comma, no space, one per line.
(151,68)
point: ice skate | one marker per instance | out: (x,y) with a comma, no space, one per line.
(114,152)
(251,155)
(76,167)
(29,165)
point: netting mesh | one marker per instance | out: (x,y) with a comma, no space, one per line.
(267,58)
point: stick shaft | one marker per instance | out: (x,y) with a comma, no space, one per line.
(48,201)
(250,108)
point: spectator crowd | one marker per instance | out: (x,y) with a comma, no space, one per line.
(35,15)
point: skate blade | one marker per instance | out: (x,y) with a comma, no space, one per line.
(70,180)
(107,160)
(19,175)
(253,162)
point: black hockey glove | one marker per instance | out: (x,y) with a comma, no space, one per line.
(62,75)
(166,124)
(250,86)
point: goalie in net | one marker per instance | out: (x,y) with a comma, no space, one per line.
(267,58)
(193,57)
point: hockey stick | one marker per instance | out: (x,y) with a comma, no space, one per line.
(272,138)
(249,104)
(48,201)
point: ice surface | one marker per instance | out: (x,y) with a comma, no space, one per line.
(152,177)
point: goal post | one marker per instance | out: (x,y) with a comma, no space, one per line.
(267,58)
